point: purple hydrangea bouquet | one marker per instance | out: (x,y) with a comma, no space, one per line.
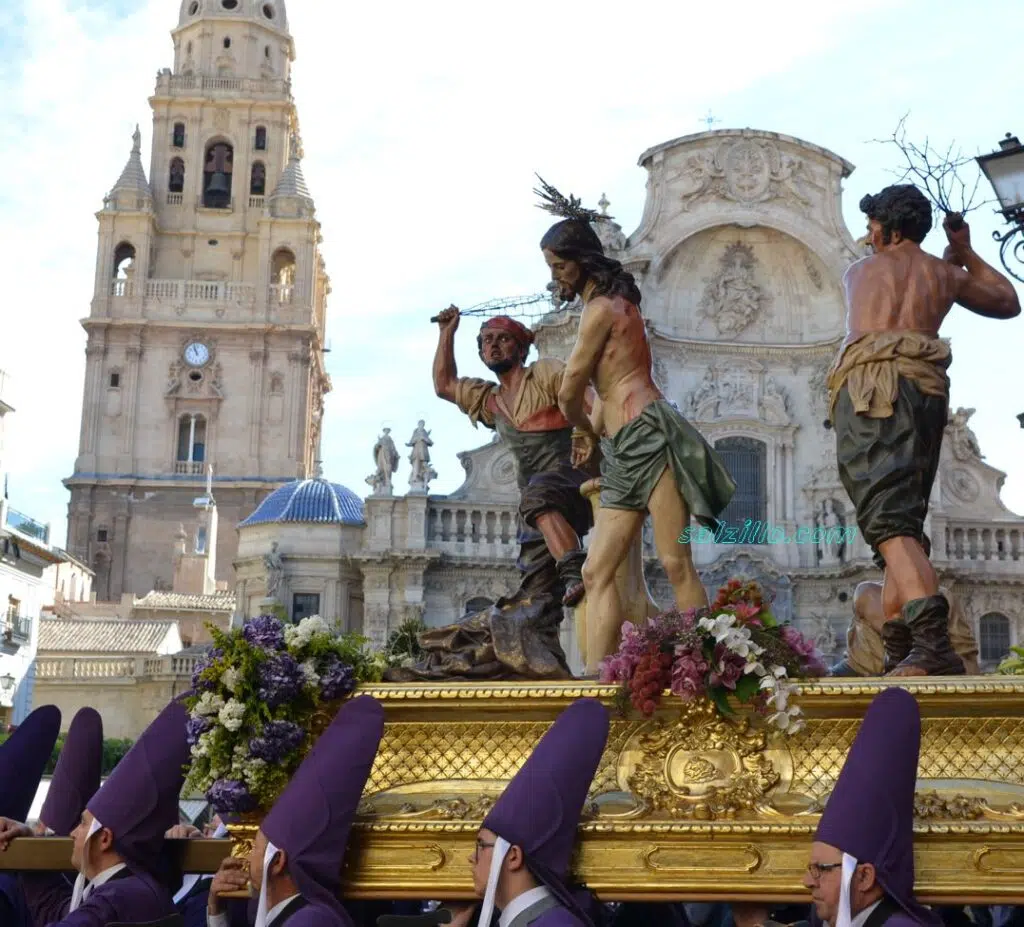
(736,649)
(252,705)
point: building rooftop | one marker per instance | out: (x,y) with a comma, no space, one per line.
(103,636)
(311,502)
(180,601)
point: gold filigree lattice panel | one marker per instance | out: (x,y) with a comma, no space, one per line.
(457,751)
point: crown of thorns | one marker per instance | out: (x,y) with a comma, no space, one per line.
(570,207)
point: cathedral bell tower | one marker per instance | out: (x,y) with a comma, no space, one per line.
(206,328)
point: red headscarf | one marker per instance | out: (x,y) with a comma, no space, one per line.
(516,329)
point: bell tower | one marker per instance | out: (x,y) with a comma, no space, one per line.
(205,335)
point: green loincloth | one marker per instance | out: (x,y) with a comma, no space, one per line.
(636,456)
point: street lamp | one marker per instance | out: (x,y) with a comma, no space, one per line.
(1005,171)
(6,683)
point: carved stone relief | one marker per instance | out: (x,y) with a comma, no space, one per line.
(962,484)
(732,298)
(734,392)
(746,171)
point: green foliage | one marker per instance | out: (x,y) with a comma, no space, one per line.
(1013,664)
(113,752)
(403,646)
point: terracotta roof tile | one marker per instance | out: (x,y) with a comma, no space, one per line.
(104,636)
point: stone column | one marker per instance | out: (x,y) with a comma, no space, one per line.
(257,360)
(91,406)
(787,448)
(134,354)
(376,602)
(629,579)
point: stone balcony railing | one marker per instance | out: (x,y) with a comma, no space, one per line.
(210,85)
(202,292)
(101,669)
(472,530)
(964,543)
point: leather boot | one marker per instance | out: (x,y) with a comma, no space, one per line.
(898,640)
(570,572)
(931,653)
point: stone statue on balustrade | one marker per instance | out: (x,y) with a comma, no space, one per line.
(422,472)
(385,457)
(889,402)
(517,637)
(653,460)
(273,566)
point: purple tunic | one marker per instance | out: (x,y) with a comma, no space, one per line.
(314,915)
(13,912)
(129,897)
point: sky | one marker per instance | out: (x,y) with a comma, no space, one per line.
(423,126)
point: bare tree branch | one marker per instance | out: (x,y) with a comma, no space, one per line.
(940,174)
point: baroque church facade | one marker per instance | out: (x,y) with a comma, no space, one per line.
(205,351)
(206,329)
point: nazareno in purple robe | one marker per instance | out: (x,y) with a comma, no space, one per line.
(23,759)
(138,803)
(870,813)
(312,817)
(540,808)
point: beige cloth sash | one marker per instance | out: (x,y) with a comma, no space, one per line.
(871,366)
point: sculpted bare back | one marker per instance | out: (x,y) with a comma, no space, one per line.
(902,289)
(622,376)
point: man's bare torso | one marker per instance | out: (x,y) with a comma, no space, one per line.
(622,376)
(900,289)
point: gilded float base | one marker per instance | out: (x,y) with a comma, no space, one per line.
(686,805)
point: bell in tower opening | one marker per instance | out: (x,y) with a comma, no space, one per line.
(217,176)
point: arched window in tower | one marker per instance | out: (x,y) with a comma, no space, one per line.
(994,634)
(191,443)
(258,180)
(282,275)
(124,260)
(201,540)
(178,135)
(746,459)
(176,176)
(217,170)
(261,138)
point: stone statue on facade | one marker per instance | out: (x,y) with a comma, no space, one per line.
(831,534)
(964,441)
(652,459)
(889,400)
(422,472)
(773,403)
(273,566)
(385,457)
(704,401)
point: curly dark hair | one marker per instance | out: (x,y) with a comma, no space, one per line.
(900,208)
(576,241)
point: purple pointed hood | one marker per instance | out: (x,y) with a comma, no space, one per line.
(139,800)
(541,807)
(870,814)
(77,776)
(312,818)
(23,759)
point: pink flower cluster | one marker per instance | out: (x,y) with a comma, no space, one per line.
(734,649)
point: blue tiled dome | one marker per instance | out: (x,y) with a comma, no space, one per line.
(309,501)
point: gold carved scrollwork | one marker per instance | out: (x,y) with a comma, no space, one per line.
(700,766)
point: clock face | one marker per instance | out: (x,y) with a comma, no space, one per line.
(197,354)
